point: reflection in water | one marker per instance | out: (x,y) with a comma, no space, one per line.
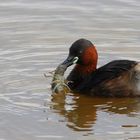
(81,112)
(35,38)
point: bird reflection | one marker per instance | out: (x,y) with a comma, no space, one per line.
(81,112)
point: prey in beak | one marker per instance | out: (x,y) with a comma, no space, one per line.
(59,84)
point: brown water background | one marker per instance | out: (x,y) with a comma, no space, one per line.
(34,38)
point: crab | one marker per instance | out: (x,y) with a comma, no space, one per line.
(59,84)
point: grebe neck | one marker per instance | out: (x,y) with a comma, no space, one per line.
(85,69)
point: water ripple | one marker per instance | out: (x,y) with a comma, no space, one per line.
(35,38)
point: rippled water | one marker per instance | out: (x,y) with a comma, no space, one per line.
(34,38)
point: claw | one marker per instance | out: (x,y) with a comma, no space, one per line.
(60,86)
(46,76)
(55,88)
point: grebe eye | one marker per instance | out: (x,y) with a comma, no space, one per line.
(75,60)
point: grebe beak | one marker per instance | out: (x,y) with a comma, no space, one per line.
(70,61)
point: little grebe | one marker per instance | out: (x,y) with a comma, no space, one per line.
(117,78)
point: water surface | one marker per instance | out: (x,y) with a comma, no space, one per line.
(35,37)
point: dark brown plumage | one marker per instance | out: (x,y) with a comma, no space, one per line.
(117,78)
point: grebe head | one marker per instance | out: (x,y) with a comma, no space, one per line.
(83,53)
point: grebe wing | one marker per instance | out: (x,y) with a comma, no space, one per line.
(107,72)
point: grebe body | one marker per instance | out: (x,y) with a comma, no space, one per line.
(117,78)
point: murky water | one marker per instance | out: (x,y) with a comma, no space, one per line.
(34,38)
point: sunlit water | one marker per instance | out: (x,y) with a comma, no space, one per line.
(34,38)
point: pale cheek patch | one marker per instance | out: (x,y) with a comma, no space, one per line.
(75,60)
